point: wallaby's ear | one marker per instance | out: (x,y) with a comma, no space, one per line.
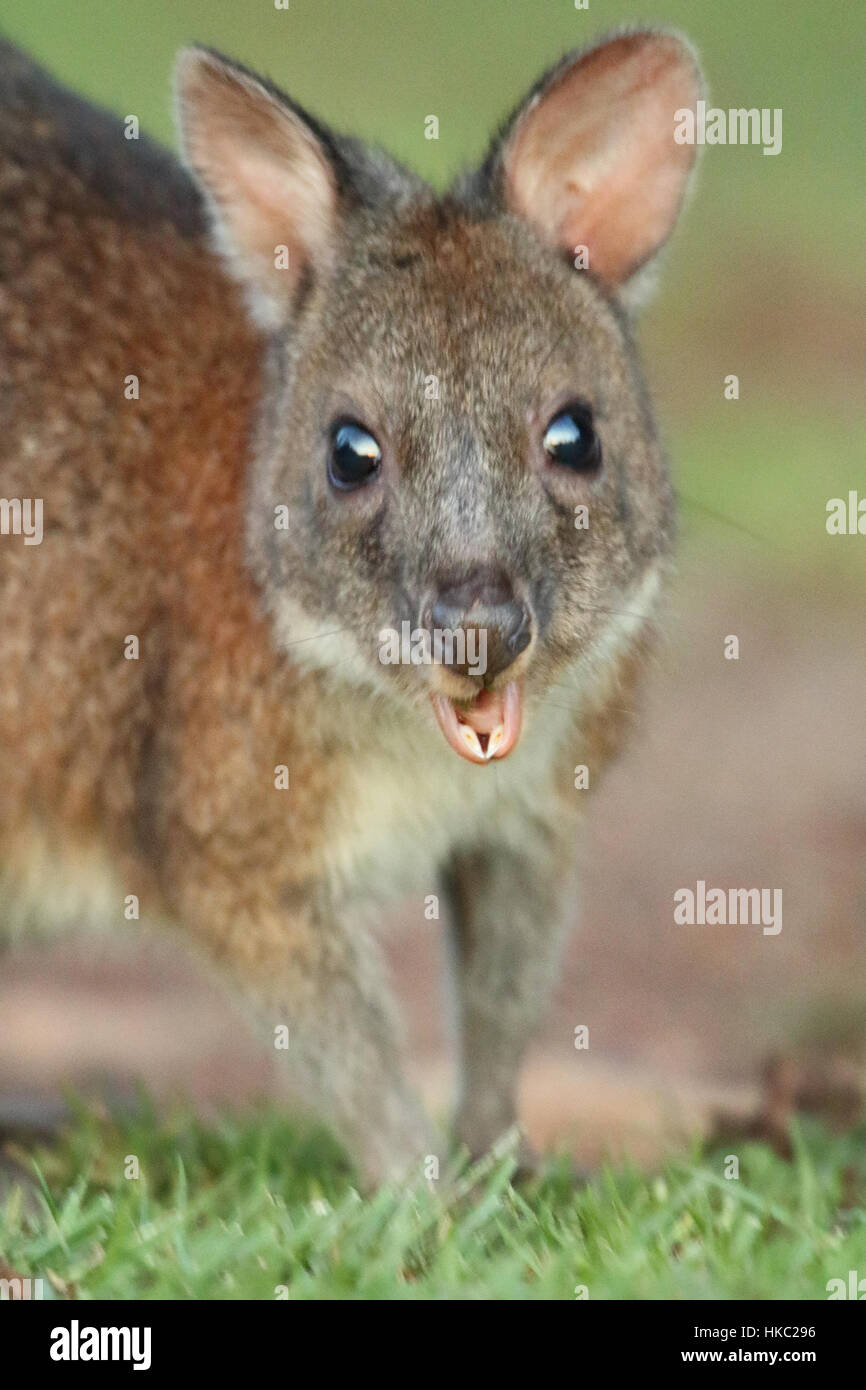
(591,158)
(266,176)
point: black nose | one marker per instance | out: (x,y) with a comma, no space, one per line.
(495,624)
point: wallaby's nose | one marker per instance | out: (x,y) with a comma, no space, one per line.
(495,624)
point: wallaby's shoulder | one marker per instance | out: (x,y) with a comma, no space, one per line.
(105,273)
(47,131)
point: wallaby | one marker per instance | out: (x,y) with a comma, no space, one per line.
(259,420)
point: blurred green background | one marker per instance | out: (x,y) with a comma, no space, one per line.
(764,280)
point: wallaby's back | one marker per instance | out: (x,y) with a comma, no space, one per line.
(104,275)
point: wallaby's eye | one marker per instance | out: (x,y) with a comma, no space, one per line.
(354,455)
(571,441)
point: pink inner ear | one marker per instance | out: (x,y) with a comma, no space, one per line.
(594,162)
(268,180)
(277,202)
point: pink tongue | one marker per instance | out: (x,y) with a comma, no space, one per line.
(488,728)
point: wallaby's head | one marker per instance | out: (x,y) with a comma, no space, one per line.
(456,446)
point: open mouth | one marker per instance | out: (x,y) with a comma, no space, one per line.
(484,729)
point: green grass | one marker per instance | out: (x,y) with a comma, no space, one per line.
(235,1211)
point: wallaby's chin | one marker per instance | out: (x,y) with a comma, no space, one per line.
(485,729)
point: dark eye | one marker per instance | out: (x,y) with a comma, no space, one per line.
(354,455)
(571,441)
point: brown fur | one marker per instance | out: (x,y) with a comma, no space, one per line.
(257,647)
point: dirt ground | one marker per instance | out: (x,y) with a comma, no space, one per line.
(743,773)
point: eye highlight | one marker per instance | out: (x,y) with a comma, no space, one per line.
(353,455)
(571,441)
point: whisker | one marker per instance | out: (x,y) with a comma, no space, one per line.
(573,709)
(317,636)
(721,519)
(612,612)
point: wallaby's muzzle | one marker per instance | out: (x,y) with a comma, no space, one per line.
(478,628)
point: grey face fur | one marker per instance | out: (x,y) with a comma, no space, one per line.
(511,333)
(452,329)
